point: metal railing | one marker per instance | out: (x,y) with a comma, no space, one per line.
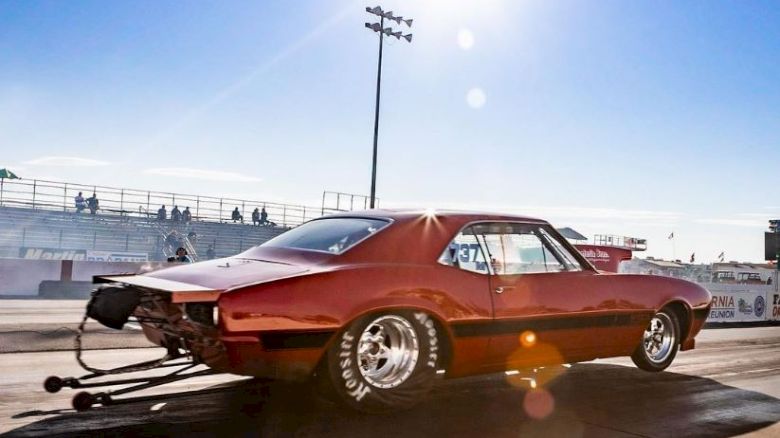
(341,202)
(632,243)
(59,196)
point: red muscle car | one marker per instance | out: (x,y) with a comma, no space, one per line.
(372,304)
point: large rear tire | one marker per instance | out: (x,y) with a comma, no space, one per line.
(660,342)
(384,362)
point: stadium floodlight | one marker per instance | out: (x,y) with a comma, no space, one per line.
(400,19)
(373,26)
(376,10)
(382,31)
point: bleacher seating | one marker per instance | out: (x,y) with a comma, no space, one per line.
(27,227)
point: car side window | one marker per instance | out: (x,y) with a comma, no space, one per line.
(464,252)
(514,248)
(567,257)
(520,253)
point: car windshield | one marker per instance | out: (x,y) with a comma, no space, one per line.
(333,235)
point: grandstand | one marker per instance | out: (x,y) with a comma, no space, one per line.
(38,214)
(28,228)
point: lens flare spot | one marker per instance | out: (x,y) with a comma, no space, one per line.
(465,39)
(528,339)
(538,403)
(476,98)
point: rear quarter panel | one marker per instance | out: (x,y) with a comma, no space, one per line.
(324,302)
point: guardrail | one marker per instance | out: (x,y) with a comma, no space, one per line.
(59,196)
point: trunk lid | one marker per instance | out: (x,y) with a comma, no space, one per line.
(204,281)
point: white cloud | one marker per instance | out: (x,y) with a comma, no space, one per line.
(654,217)
(755,215)
(66,162)
(753,223)
(209,175)
(605,213)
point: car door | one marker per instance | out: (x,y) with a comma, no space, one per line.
(549,304)
(465,272)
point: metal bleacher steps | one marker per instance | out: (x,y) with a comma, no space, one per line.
(35,228)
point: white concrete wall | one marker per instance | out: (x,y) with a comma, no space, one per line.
(22,277)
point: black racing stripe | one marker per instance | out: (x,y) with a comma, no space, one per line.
(505,327)
(290,340)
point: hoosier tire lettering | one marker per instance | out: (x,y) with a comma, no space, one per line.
(383,361)
(355,389)
(430,326)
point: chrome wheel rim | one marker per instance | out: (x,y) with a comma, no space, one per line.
(659,338)
(387,351)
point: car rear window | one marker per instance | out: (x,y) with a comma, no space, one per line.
(332,235)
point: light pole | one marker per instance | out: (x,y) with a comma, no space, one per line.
(382,31)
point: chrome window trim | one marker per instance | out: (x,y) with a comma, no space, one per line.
(585,264)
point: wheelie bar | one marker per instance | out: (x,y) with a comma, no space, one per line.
(84,400)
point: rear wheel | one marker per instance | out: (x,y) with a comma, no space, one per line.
(384,362)
(660,342)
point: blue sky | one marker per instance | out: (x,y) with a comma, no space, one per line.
(636,118)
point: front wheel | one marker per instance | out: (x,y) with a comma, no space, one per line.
(384,362)
(660,342)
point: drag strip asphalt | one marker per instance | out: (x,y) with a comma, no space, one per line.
(728,386)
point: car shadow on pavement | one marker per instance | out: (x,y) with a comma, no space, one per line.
(585,400)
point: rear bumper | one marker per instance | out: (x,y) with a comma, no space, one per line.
(276,355)
(243,355)
(192,327)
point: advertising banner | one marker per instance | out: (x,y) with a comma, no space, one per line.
(605,258)
(116,256)
(738,306)
(31,253)
(773,306)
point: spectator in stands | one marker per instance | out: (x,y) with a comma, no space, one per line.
(769,279)
(210,253)
(264,217)
(176,214)
(236,216)
(81,204)
(162,214)
(192,237)
(174,239)
(186,216)
(93,203)
(181,256)
(256,217)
